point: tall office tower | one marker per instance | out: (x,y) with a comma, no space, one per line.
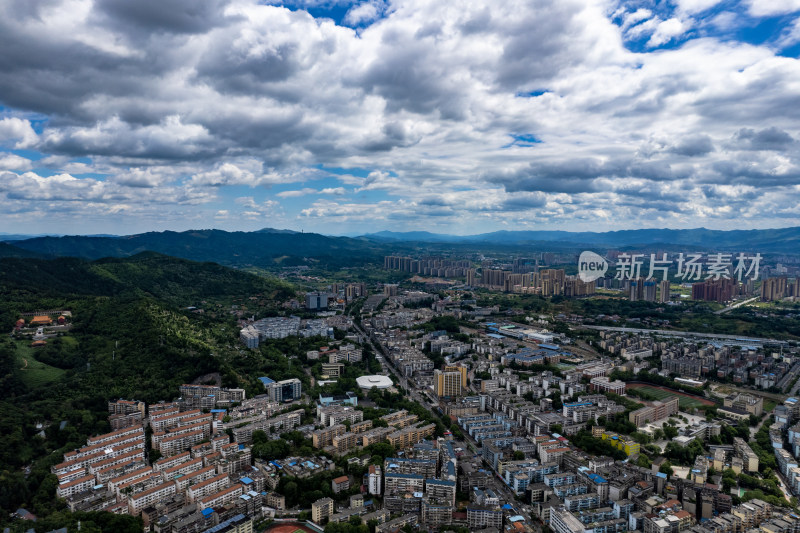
(794,288)
(447,383)
(552,281)
(649,290)
(636,290)
(472,277)
(663,292)
(715,290)
(494,278)
(773,289)
(390,290)
(574,287)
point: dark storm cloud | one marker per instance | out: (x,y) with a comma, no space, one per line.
(170,140)
(393,135)
(742,196)
(583,175)
(653,97)
(570,176)
(232,69)
(771,138)
(756,175)
(25,9)
(434,201)
(407,79)
(270,130)
(518,202)
(692,146)
(44,73)
(476,22)
(653,170)
(176,16)
(55,74)
(431,29)
(771,93)
(529,57)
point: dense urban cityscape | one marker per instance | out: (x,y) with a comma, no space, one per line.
(449,393)
(384,266)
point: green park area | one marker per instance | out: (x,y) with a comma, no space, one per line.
(32,372)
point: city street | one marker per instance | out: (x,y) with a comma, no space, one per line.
(420,397)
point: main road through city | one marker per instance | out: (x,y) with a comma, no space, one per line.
(734,340)
(422,397)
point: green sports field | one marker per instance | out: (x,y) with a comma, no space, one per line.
(685,402)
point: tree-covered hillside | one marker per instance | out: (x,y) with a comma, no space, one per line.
(236,248)
(131,337)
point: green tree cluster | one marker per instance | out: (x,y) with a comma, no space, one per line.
(596,446)
(683,455)
(131,337)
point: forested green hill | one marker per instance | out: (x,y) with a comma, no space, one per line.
(265,248)
(132,337)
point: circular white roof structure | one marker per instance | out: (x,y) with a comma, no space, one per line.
(374,382)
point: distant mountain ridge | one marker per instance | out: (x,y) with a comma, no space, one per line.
(273,230)
(786,240)
(7,250)
(265,247)
(270,247)
(409,236)
(5,237)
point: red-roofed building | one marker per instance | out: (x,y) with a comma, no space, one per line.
(74,487)
(340,484)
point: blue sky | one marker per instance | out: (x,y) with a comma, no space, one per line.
(353,117)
